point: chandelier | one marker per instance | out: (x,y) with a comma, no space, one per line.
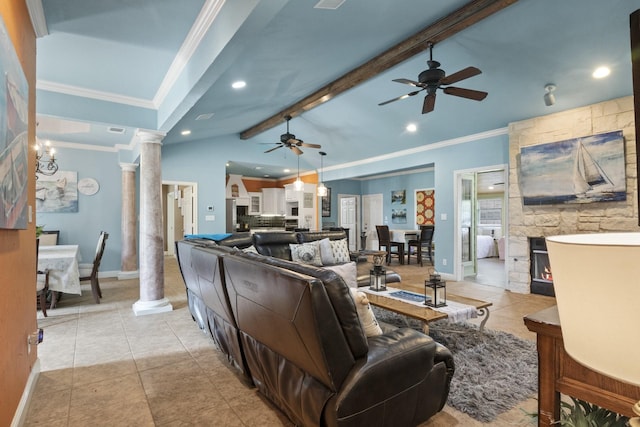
(45,160)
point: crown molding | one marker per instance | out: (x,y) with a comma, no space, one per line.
(203,22)
(93,94)
(429,147)
(38,19)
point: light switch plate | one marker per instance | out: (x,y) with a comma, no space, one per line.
(209,217)
(443,217)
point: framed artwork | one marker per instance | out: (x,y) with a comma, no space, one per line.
(398,197)
(57,193)
(579,170)
(425,207)
(14,123)
(399,216)
(326,204)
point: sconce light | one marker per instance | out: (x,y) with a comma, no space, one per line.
(322,189)
(298,184)
(45,160)
(435,291)
(549,97)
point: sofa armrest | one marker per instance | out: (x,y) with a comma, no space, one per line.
(396,362)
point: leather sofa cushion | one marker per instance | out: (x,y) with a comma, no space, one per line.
(275,244)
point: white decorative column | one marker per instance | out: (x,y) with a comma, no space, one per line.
(128,226)
(152,298)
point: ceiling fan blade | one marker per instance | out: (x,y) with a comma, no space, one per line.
(274,148)
(401,97)
(409,82)
(460,75)
(476,95)
(296,150)
(306,144)
(429,103)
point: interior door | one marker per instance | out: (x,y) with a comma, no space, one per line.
(371,216)
(187,210)
(349,219)
(467,223)
(171,215)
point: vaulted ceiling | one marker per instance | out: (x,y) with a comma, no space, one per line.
(108,67)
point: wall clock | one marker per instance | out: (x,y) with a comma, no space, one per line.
(88,186)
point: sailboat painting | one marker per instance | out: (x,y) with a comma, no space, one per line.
(580,170)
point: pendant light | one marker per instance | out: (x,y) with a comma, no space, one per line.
(322,189)
(298,184)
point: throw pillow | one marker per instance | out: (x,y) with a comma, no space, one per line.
(306,253)
(326,253)
(340,250)
(348,272)
(365,314)
(250,249)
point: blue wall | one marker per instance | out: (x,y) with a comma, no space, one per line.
(99,212)
(204,163)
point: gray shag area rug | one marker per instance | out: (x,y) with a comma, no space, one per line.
(493,372)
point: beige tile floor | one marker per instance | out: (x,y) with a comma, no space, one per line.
(101,365)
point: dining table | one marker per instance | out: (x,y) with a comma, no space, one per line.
(62,263)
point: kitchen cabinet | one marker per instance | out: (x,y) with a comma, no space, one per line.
(273,201)
(302,205)
(255,203)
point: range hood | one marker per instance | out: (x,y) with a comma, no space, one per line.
(236,190)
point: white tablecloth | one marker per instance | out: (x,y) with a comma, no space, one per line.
(62,263)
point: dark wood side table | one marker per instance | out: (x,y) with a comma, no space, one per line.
(559,373)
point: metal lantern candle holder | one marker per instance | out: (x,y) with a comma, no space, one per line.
(378,279)
(435,291)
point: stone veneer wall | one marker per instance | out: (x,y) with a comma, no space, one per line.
(548,220)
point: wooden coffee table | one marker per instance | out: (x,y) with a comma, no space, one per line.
(424,313)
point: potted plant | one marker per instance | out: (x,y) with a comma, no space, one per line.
(39,229)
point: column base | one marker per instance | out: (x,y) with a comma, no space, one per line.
(142,308)
(126,275)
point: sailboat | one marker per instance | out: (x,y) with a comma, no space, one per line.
(588,176)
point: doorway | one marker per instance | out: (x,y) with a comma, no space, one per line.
(179,213)
(349,206)
(372,205)
(481,225)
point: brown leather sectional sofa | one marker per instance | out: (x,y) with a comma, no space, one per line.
(276,244)
(292,331)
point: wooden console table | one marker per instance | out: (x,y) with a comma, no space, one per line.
(559,373)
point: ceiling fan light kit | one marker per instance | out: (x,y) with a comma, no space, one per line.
(434,78)
(549,97)
(290,141)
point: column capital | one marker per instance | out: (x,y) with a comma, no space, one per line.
(129,167)
(150,136)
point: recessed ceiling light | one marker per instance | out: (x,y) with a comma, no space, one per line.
(227,164)
(266,175)
(287,170)
(258,168)
(185,132)
(411,127)
(491,187)
(239,84)
(601,72)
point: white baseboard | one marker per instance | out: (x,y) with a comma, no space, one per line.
(20,416)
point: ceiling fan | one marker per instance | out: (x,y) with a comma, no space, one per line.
(289,140)
(435,78)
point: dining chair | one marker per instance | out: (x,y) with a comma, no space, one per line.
(421,244)
(49,237)
(42,283)
(95,283)
(384,241)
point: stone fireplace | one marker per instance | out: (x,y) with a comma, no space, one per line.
(541,276)
(548,220)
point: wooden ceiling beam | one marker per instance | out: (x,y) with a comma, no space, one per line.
(466,16)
